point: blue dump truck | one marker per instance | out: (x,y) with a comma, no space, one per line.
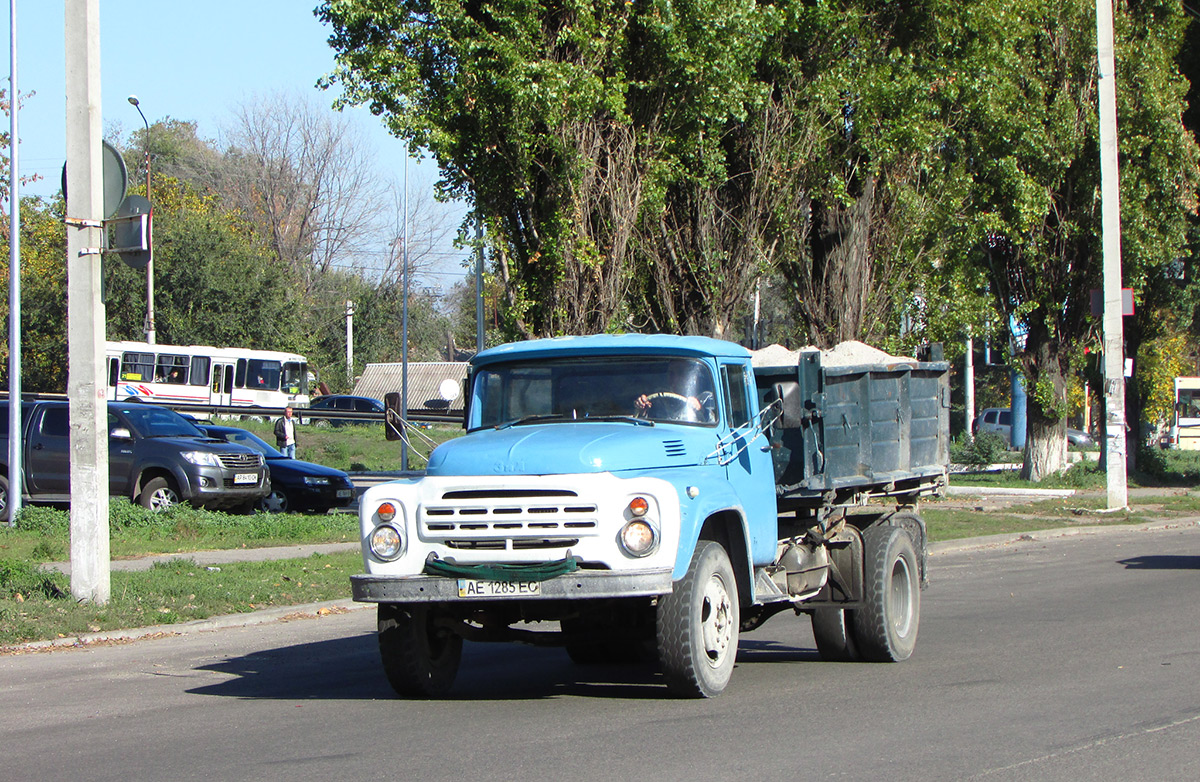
(652,497)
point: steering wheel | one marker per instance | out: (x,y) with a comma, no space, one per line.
(668,395)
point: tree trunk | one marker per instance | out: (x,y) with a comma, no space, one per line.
(1045,376)
(1045,449)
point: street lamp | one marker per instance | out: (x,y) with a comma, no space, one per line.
(150,336)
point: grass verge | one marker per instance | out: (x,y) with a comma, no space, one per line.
(42,533)
(36,605)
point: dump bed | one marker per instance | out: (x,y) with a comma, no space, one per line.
(848,431)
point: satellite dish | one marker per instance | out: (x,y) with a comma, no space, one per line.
(448,389)
(116,179)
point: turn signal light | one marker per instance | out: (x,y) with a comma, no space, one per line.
(638,507)
(386,511)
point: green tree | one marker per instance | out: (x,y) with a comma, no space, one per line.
(1027,82)
(212,283)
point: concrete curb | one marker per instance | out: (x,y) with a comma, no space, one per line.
(1041,536)
(992,491)
(225,621)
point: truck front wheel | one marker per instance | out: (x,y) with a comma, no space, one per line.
(420,659)
(158,494)
(698,625)
(886,625)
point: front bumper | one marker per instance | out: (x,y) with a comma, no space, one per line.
(578,585)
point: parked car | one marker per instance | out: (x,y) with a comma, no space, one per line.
(295,484)
(347,403)
(156,457)
(999,421)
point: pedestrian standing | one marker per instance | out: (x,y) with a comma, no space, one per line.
(285,434)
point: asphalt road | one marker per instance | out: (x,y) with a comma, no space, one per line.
(1075,658)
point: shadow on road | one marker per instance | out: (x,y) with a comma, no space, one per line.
(349,669)
(1162,562)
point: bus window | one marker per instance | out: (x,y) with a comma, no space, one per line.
(264,374)
(137,366)
(295,378)
(240,380)
(199,376)
(171,369)
(114,369)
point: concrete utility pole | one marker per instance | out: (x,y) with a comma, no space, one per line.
(85,310)
(1110,212)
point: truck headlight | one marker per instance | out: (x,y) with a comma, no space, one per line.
(386,542)
(638,538)
(202,458)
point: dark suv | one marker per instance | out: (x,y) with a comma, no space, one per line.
(155,457)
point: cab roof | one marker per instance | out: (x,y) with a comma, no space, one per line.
(612,345)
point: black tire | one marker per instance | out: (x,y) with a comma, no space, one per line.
(886,625)
(158,494)
(3,498)
(420,659)
(833,630)
(275,502)
(698,624)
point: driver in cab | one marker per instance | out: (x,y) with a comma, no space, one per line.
(687,395)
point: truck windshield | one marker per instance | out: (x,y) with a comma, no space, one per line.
(652,388)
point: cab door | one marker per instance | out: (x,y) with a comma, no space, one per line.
(48,468)
(748,462)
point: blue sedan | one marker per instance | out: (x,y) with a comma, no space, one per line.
(295,485)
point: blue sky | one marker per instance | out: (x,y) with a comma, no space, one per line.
(184,59)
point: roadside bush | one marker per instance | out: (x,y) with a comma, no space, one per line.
(978,451)
(24,579)
(1169,466)
(43,519)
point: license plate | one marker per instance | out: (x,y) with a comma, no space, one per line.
(344,492)
(469,587)
(246,477)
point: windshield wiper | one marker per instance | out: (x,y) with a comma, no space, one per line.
(530,419)
(626,418)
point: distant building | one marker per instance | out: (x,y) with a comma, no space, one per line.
(425,383)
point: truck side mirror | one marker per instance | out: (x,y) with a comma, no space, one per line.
(120,433)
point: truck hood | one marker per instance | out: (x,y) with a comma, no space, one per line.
(565,448)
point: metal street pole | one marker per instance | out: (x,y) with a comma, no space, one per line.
(404,332)
(151,337)
(1110,211)
(15,437)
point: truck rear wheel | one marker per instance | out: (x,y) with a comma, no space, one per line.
(158,494)
(833,630)
(886,626)
(420,659)
(698,625)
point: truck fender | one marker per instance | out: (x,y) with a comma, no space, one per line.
(147,472)
(717,514)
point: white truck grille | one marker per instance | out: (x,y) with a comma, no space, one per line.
(500,519)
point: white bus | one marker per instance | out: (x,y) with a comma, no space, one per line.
(202,375)
(1185,426)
